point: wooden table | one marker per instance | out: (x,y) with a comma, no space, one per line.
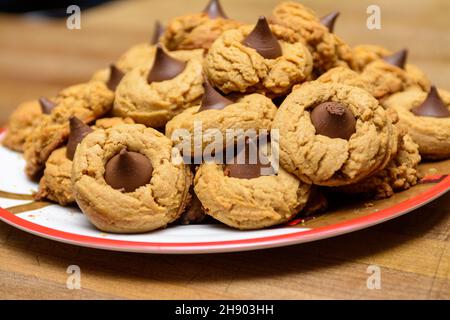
(39,57)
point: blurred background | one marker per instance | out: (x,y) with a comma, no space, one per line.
(39,55)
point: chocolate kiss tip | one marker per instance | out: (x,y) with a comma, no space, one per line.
(46,105)
(78,130)
(158,31)
(333,120)
(245,170)
(397,59)
(164,66)
(212,99)
(432,106)
(115,75)
(128,171)
(214,10)
(330,20)
(263,41)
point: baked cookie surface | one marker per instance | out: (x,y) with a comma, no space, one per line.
(327,49)
(349,137)
(88,102)
(149,206)
(195,31)
(20,124)
(155,103)
(400,174)
(251,112)
(386,79)
(249,203)
(233,66)
(56,184)
(431,133)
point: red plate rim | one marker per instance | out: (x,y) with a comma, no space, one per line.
(231,245)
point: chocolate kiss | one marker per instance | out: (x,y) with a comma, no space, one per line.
(115,75)
(78,130)
(263,41)
(46,105)
(158,31)
(214,10)
(397,59)
(329,20)
(333,120)
(164,67)
(212,99)
(432,106)
(245,170)
(128,171)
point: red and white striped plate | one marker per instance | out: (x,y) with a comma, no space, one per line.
(69,225)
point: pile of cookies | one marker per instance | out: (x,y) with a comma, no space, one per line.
(353,120)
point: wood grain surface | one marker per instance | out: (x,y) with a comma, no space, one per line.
(39,57)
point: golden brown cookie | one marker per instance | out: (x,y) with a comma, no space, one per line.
(155,103)
(346,76)
(148,206)
(400,174)
(249,203)
(21,123)
(327,49)
(430,131)
(141,54)
(365,54)
(56,184)
(251,112)
(386,79)
(87,101)
(198,30)
(333,134)
(233,66)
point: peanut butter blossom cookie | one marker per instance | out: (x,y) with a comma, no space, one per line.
(217,114)
(197,31)
(333,134)
(238,195)
(23,120)
(346,76)
(260,58)
(127,179)
(326,48)
(56,184)
(363,55)
(153,94)
(401,173)
(88,102)
(426,117)
(391,74)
